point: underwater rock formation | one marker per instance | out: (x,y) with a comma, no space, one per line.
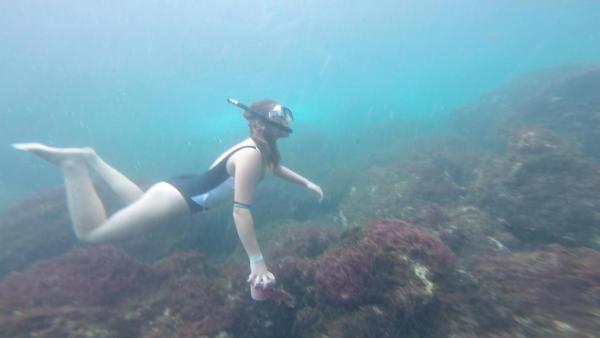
(82,278)
(392,254)
(438,172)
(293,252)
(386,272)
(389,278)
(546,293)
(543,191)
(468,230)
(571,108)
(563,100)
(33,228)
(102,292)
(380,280)
(381,192)
(194,299)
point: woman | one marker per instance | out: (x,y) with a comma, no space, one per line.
(234,175)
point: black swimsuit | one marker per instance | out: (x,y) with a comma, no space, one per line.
(204,191)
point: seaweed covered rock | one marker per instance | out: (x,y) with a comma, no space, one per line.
(291,257)
(380,280)
(74,295)
(547,293)
(382,192)
(194,299)
(543,191)
(564,100)
(391,253)
(294,251)
(85,277)
(387,271)
(570,107)
(33,228)
(443,174)
(102,292)
(552,292)
(469,231)
(438,172)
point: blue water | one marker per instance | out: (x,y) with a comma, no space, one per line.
(146,82)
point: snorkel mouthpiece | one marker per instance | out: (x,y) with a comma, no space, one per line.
(266,118)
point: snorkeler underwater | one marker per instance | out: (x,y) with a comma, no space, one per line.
(443,160)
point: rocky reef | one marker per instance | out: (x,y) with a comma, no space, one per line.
(102,292)
(490,230)
(34,228)
(551,292)
(543,190)
(387,270)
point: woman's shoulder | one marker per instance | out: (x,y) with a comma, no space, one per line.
(230,152)
(246,147)
(245,155)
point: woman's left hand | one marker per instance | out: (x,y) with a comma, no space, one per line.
(316,189)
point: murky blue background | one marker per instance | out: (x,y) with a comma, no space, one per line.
(146,82)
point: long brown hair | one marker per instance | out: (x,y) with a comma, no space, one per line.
(262,133)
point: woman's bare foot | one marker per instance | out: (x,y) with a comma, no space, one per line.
(61,157)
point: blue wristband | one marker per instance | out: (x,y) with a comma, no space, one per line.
(256,259)
(242,205)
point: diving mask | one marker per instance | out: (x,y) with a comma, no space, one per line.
(280,116)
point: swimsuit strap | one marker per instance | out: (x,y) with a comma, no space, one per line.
(224,161)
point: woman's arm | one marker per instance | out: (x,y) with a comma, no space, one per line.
(247,171)
(290,175)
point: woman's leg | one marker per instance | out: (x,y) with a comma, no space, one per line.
(160,204)
(128,191)
(85,207)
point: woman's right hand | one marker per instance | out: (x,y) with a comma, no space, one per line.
(316,189)
(260,276)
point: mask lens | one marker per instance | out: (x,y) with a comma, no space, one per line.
(281,115)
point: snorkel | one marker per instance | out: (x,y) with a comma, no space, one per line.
(285,112)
